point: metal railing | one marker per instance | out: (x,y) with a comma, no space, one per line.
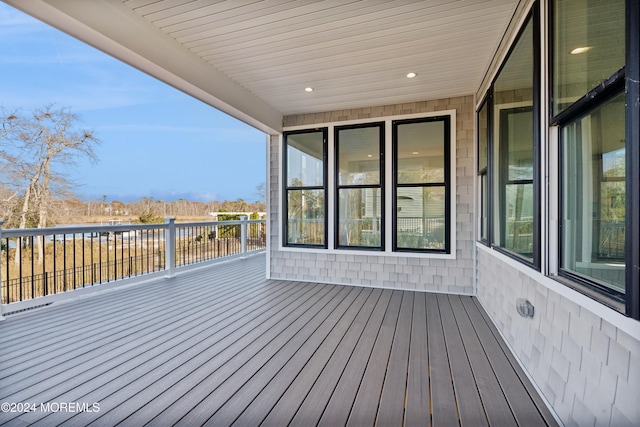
(36,263)
(611,239)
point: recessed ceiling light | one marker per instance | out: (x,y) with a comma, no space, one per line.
(415,152)
(580,50)
(308,89)
(369,155)
(411,75)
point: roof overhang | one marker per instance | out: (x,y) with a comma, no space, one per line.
(253,60)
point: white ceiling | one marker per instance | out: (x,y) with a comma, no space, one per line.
(254,58)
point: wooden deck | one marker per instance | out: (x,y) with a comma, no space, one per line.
(223,346)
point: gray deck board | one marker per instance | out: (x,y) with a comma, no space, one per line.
(308,394)
(444,410)
(470,407)
(94,352)
(224,346)
(495,403)
(256,403)
(341,400)
(525,402)
(190,383)
(392,403)
(418,401)
(279,347)
(159,362)
(288,360)
(365,406)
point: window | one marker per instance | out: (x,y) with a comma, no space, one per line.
(514,189)
(483,167)
(515,177)
(508,152)
(305,188)
(360,183)
(419,215)
(593,196)
(589,75)
(421,184)
(594,70)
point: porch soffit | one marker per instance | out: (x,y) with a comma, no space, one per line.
(254,59)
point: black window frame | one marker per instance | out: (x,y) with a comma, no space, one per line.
(483,172)
(625,80)
(632,133)
(592,288)
(446,184)
(337,186)
(287,188)
(503,178)
(533,19)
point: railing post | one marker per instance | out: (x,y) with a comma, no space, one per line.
(170,247)
(243,235)
(2,290)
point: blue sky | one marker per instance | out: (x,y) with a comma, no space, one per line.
(155,140)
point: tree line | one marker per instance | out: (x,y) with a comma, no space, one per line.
(162,208)
(37,150)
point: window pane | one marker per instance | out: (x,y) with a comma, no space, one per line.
(484,214)
(421,217)
(513,149)
(420,151)
(514,86)
(359,156)
(359,217)
(593,186)
(305,166)
(516,126)
(589,46)
(482,137)
(518,230)
(306,220)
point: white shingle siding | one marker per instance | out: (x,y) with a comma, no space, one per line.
(586,367)
(377,269)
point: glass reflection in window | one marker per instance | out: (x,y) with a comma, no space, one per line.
(593,189)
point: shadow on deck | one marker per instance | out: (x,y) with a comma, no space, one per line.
(223,345)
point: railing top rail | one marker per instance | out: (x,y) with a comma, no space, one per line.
(28,232)
(212,223)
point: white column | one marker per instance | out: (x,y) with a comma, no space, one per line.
(243,235)
(170,247)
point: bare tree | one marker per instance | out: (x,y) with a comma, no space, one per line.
(261,193)
(36,150)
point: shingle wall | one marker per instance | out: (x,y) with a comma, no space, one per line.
(373,268)
(587,368)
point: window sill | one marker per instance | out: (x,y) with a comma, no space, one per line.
(592,293)
(372,252)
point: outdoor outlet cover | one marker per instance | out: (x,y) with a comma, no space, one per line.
(524,307)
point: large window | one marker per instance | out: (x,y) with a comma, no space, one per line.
(483,167)
(514,194)
(593,195)
(421,199)
(589,108)
(594,87)
(360,183)
(352,203)
(305,188)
